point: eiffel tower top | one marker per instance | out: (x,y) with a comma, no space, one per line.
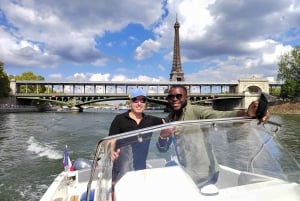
(176,72)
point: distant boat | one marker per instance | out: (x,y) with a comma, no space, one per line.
(123,108)
(75,108)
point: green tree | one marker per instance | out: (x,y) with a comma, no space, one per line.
(30,76)
(289,89)
(289,72)
(275,92)
(4,82)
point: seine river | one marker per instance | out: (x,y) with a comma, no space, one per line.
(32,145)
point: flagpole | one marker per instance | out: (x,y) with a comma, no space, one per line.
(67,161)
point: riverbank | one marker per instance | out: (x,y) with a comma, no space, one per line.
(4,108)
(285,108)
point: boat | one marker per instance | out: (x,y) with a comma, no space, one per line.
(252,165)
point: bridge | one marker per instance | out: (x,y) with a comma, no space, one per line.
(225,95)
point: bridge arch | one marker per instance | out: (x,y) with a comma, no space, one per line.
(251,88)
(253,85)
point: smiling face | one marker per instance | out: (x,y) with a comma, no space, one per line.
(138,104)
(177,98)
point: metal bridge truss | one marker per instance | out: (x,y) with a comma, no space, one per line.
(79,100)
(84,93)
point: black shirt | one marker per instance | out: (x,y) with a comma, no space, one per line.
(123,123)
(131,157)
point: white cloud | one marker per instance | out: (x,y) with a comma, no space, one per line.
(146,49)
(119,78)
(77,77)
(194,22)
(99,77)
(55,76)
(273,57)
(66,30)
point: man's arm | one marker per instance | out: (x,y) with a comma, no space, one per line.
(164,139)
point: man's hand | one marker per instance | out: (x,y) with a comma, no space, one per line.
(114,155)
(252,109)
(265,118)
(167,132)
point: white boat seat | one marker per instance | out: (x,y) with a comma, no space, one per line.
(167,183)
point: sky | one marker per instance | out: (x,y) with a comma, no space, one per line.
(130,40)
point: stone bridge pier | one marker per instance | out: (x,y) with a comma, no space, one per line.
(252,88)
(248,89)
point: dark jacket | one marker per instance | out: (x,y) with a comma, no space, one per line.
(132,157)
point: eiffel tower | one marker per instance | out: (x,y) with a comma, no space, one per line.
(176,72)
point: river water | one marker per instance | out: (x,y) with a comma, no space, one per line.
(32,145)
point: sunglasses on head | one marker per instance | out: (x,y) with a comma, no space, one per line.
(136,100)
(177,96)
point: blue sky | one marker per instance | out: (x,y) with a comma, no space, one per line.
(131,40)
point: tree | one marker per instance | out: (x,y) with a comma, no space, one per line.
(289,72)
(275,92)
(30,76)
(4,82)
(289,89)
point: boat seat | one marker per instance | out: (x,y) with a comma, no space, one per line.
(58,199)
(156,184)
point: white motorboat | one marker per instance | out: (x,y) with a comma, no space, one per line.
(253,165)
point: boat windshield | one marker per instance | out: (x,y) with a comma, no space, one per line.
(200,148)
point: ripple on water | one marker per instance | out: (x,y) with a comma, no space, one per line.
(290,134)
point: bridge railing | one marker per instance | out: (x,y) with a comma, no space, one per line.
(117,87)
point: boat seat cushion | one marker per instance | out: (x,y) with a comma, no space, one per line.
(166,183)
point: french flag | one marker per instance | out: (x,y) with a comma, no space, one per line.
(67,161)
